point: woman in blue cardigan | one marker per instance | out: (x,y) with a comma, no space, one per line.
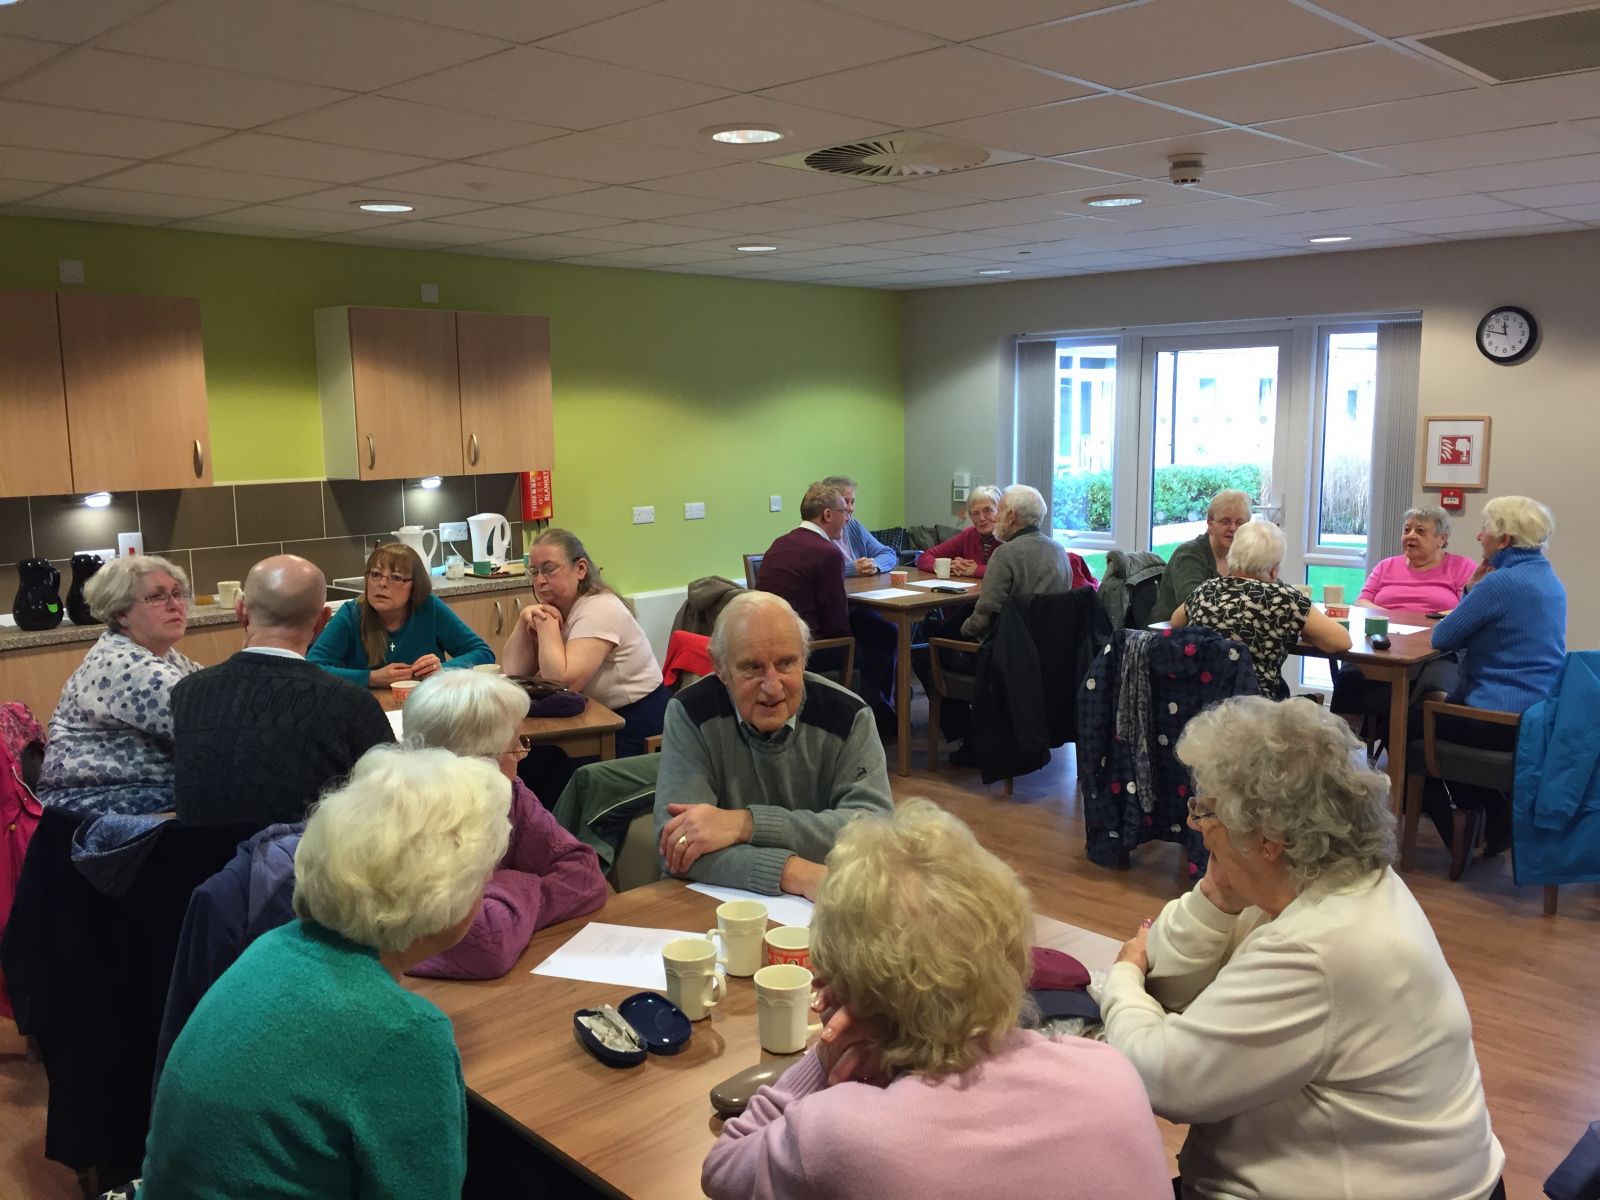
(398,629)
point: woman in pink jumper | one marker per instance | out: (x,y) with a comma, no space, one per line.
(922,1084)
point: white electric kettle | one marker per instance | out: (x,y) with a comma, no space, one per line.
(416,537)
(491,537)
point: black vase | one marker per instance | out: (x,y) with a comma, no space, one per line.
(38,602)
(83,568)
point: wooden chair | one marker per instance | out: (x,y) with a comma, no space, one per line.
(752,567)
(1456,762)
(948,684)
(845,674)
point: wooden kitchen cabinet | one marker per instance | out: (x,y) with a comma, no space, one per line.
(490,615)
(135,382)
(35,455)
(506,422)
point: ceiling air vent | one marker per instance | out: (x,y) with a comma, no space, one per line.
(898,157)
(1531,49)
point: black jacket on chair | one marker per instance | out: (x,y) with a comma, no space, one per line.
(1026,697)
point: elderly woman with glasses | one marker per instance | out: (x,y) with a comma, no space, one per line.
(1206,556)
(110,747)
(397,628)
(1295,1009)
(923,1084)
(546,875)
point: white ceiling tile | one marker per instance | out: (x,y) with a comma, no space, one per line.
(753,183)
(1565,96)
(1374,191)
(1473,111)
(468,181)
(1317,83)
(516,218)
(22,54)
(810,128)
(513,20)
(741,45)
(1486,149)
(37,126)
(40,208)
(111,202)
(1577,169)
(631,204)
(1416,210)
(299,220)
(1125,260)
(308,40)
(172,179)
(437,233)
(146,87)
(1295,173)
(12,190)
(1221,148)
(1200,211)
(1396,18)
(599,159)
(530,84)
(947,84)
(646,256)
(264,153)
(1013,180)
(1475,235)
(1480,223)
(1173,39)
(846,233)
(876,200)
(752,218)
(933,262)
(240,229)
(70,22)
(1075,125)
(402,127)
(961,20)
(559,246)
(55,166)
(997,214)
(1062,230)
(1561,195)
(647,233)
(344,199)
(952,243)
(1583,212)
(1218,250)
(852,254)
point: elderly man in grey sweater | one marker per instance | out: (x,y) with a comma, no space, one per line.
(763,763)
(1027,561)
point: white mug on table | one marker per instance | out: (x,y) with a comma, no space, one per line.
(941,567)
(783,1008)
(692,980)
(741,924)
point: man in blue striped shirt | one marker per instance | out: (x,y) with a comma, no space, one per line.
(863,553)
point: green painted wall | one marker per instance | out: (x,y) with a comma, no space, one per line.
(668,388)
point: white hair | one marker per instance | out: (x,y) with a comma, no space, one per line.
(737,613)
(404,848)
(1026,503)
(1293,772)
(1257,548)
(465,712)
(1228,500)
(1429,512)
(1526,522)
(984,491)
(114,588)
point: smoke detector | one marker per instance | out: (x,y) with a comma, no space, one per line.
(1186,170)
(896,156)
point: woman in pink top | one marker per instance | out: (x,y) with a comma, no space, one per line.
(922,1084)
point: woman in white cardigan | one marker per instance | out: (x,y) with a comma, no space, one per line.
(1295,1009)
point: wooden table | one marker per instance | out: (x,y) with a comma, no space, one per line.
(590,734)
(905,611)
(643,1131)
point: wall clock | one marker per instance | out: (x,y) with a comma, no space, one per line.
(1507,334)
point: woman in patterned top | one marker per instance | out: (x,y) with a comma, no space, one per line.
(1252,605)
(110,748)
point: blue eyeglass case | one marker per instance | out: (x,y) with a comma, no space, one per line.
(658,1027)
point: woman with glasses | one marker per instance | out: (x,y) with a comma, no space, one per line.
(1206,556)
(397,629)
(110,747)
(584,636)
(1295,1009)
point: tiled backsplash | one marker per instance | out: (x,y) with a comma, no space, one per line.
(221,532)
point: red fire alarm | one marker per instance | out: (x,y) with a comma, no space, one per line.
(1451,500)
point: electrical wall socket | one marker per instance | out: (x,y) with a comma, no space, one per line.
(644,514)
(430,293)
(694,511)
(69,270)
(452,531)
(774,503)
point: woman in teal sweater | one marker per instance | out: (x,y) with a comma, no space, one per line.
(307,1070)
(397,629)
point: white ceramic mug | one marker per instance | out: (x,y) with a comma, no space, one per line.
(789,944)
(741,924)
(783,1008)
(1333,594)
(228,591)
(941,567)
(692,980)
(488,668)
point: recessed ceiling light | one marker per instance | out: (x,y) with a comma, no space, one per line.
(745,135)
(382,206)
(1119,200)
(1329,238)
(97,499)
(756,248)
(995,271)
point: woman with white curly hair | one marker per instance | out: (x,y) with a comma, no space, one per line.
(307,1070)
(922,1084)
(1295,1009)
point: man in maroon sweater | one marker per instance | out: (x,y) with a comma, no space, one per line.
(806,567)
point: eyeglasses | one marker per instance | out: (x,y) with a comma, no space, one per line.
(1230,522)
(519,749)
(380,576)
(162,599)
(1197,814)
(548,570)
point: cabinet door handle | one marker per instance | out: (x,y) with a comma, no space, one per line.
(372,454)
(472,449)
(199,460)
(499,618)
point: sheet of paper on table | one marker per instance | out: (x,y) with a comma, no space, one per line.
(887,593)
(394,720)
(785,910)
(930,584)
(621,954)
(1406,628)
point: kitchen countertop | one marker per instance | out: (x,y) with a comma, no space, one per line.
(66,633)
(444,588)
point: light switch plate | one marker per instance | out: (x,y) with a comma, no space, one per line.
(694,511)
(69,270)
(430,293)
(774,503)
(644,514)
(452,531)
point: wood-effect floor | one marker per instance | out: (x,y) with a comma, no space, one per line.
(1529,981)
